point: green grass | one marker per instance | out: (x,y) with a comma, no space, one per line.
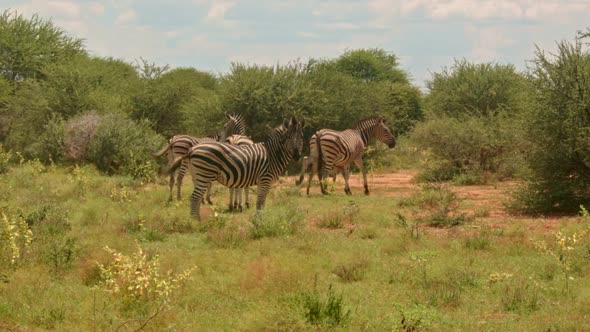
(374,272)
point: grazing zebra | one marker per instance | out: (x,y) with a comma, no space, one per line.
(330,149)
(239,167)
(235,202)
(179,145)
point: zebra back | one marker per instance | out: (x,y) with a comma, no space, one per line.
(239,140)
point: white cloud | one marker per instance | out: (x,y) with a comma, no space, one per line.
(481,9)
(218,8)
(96,8)
(487,42)
(127,16)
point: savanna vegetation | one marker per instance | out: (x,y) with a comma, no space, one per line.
(483,226)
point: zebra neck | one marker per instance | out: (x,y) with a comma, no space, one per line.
(367,135)
(278,157)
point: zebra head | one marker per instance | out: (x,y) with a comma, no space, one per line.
(235,124)
(293,143)
(383,133)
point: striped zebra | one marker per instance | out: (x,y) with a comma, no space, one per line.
(179,145)
(333,149)
(235,202)
(308,163)
(239,167)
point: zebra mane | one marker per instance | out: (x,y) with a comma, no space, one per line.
(240,123)
(367,122)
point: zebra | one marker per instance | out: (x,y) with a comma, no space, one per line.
(239,167)
(179,145)
(235,203)
(330,148)
(308,163)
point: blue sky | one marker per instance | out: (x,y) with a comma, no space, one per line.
(211,34)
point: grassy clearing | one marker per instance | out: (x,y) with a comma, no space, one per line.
(334,262)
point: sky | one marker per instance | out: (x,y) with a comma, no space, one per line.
(209,35)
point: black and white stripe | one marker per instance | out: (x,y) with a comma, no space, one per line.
(331,149)
(240,167)
(179,145)
(235,194)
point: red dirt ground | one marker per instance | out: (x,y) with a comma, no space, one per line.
(487,200)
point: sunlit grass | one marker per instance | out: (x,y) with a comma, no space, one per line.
(483,275)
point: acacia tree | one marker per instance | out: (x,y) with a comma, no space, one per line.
(29,45)
(559,129)
(473,116)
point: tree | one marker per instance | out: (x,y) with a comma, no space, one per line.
(164,93)
(27,46)
(369,65)
(559,129)
(476,89)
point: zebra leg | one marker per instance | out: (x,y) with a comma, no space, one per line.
(346,173)
(247,194)
(181,173)
(324,175)
(263,189)
(231,199)
(359,164)
(197,195)
(238,199)
(303,169)
(171,185)
(311,174)
(209,193)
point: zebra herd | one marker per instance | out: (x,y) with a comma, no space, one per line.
(235,161)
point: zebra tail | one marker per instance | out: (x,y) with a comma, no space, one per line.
(176,163)
(163,150)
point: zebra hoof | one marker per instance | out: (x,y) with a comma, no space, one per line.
(247,205)
(367,192)
(209,201)
(239,208)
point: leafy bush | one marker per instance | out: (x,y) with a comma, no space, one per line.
(283,219)
(558,131)
(54,245)
(15,239)
(122,146)
(482,89)
(5,157)
(50,144)
(137,282)
(330,311)
(437,206)
(459,145)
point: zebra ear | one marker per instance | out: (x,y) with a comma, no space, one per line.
(286,123)
(226,115)
(293,121)
(302,122)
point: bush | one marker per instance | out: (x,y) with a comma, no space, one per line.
(79,133)
(49,144)
(330,312)
(460,145)
(286,219)
(15,238)
(5,157)
(558,128)
(122,146)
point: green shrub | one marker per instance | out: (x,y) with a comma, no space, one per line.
(351,272)
(50,144)
(330,311)
(122,146)
(284,219)
(437,206)
(5,158)
(558,128)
